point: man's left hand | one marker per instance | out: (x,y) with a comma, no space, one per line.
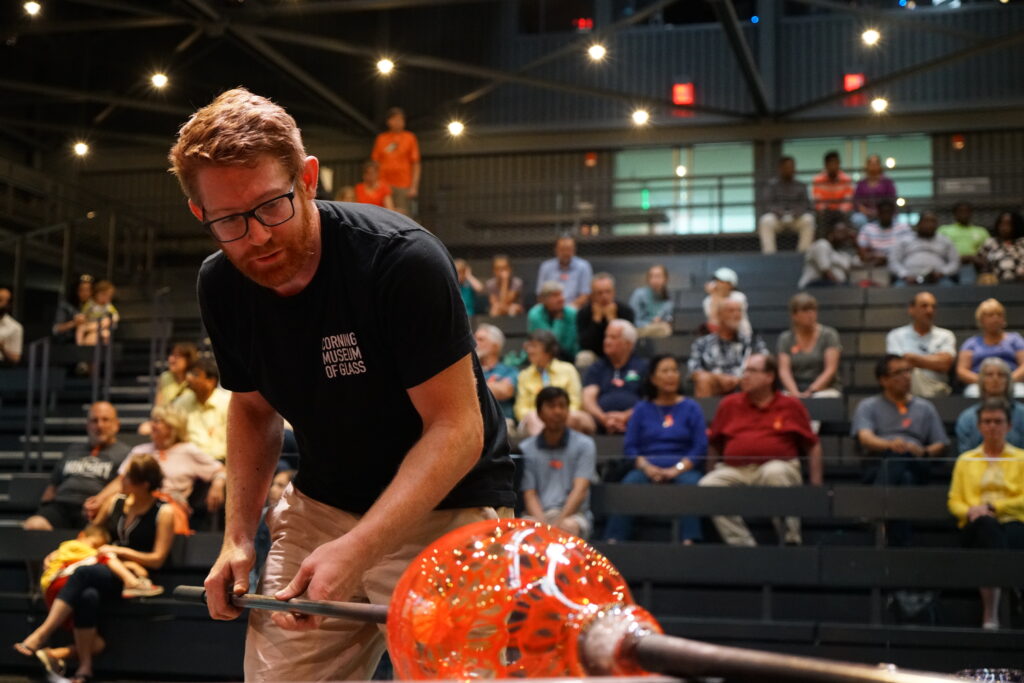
(331,572)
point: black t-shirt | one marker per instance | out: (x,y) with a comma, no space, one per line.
(80,474)
(382,314)
(591,334)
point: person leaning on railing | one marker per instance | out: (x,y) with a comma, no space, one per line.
(987,494)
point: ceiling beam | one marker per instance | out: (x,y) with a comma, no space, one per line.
(916,21)
(93,25)
(137,8)
(346,6)
(726,14)
(463,69)
(28,124)
(309,82)
(572,46)
(900,74)
(92,96)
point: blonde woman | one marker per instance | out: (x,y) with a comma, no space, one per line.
(993,342)
(809,352)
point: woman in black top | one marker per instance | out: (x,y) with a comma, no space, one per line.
(142,529)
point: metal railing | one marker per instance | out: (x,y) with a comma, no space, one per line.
(158,340)
(39,350)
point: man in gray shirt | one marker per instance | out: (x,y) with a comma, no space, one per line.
(559,465)
(928,257)
(787,207)
(929,349)
(901,431)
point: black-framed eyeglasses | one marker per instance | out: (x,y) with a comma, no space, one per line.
(270,213)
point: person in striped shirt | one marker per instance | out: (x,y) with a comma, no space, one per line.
(832,190)
(877,239)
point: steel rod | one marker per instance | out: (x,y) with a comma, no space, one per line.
(376,614)
(682,657)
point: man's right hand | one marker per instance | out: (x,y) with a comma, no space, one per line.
(230,575)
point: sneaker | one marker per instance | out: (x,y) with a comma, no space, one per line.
(144,589)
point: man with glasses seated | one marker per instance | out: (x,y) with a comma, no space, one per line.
(900,433)
(345,319)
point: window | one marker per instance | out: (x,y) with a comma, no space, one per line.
(699,188)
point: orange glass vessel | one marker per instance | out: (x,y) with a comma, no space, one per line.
(506,599)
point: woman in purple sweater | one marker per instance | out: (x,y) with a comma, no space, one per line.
(667,440)
(873,187)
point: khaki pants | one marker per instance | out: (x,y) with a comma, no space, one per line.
(925,385)
(772,473)
(769,224)
(339,649)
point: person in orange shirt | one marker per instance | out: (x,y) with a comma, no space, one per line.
(398,153)
(373,190)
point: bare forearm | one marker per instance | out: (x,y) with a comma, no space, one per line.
(422,481)
(937,362)
(253,447)
(815,467)
(872,442)
(532,504)
(576,498)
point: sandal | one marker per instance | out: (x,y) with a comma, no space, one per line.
(24,649)
(53,665)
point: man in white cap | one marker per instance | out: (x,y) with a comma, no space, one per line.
(722,287)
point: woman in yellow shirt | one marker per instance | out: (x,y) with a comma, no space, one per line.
(987,494)
(546,370)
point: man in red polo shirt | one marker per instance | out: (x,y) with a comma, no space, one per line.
(760,434)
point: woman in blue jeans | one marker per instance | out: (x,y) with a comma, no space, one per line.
(667,440)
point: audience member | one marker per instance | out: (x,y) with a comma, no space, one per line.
(100,315)
(545,370)
(611,386)
(876,240)
(716,360)
(926,258)
(373,190)
(551,313)
(58,568)
(345,193)
(501,379)
(786,208)
(760,435)
(504,290)
(70,500)
(966,237)
(930,350)
(182,463)
(986,495)
(69,314)
(398,153)
(722,287)
(559,465)
(993,342)
(870,192)
(828,262)
(652,304)
(832,189)
(142,529)
(469,286)
(666,441)
(993,382)
(262,541)
(11,332)
(592,320)
(570,270)
(173,382)
(901,431)
(809,353)
(207,409)
(1001,257)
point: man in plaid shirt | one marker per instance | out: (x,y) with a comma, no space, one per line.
(716,360)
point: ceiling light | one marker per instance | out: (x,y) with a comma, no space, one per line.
(871,36)
(900,201)
(32,8)
(158,80)
(879,104)
(80,148)
(596,52)
(456,128)
(681,171)
(385,66)
(890,162)
(641,117)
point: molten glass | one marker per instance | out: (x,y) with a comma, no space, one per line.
(504,599)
